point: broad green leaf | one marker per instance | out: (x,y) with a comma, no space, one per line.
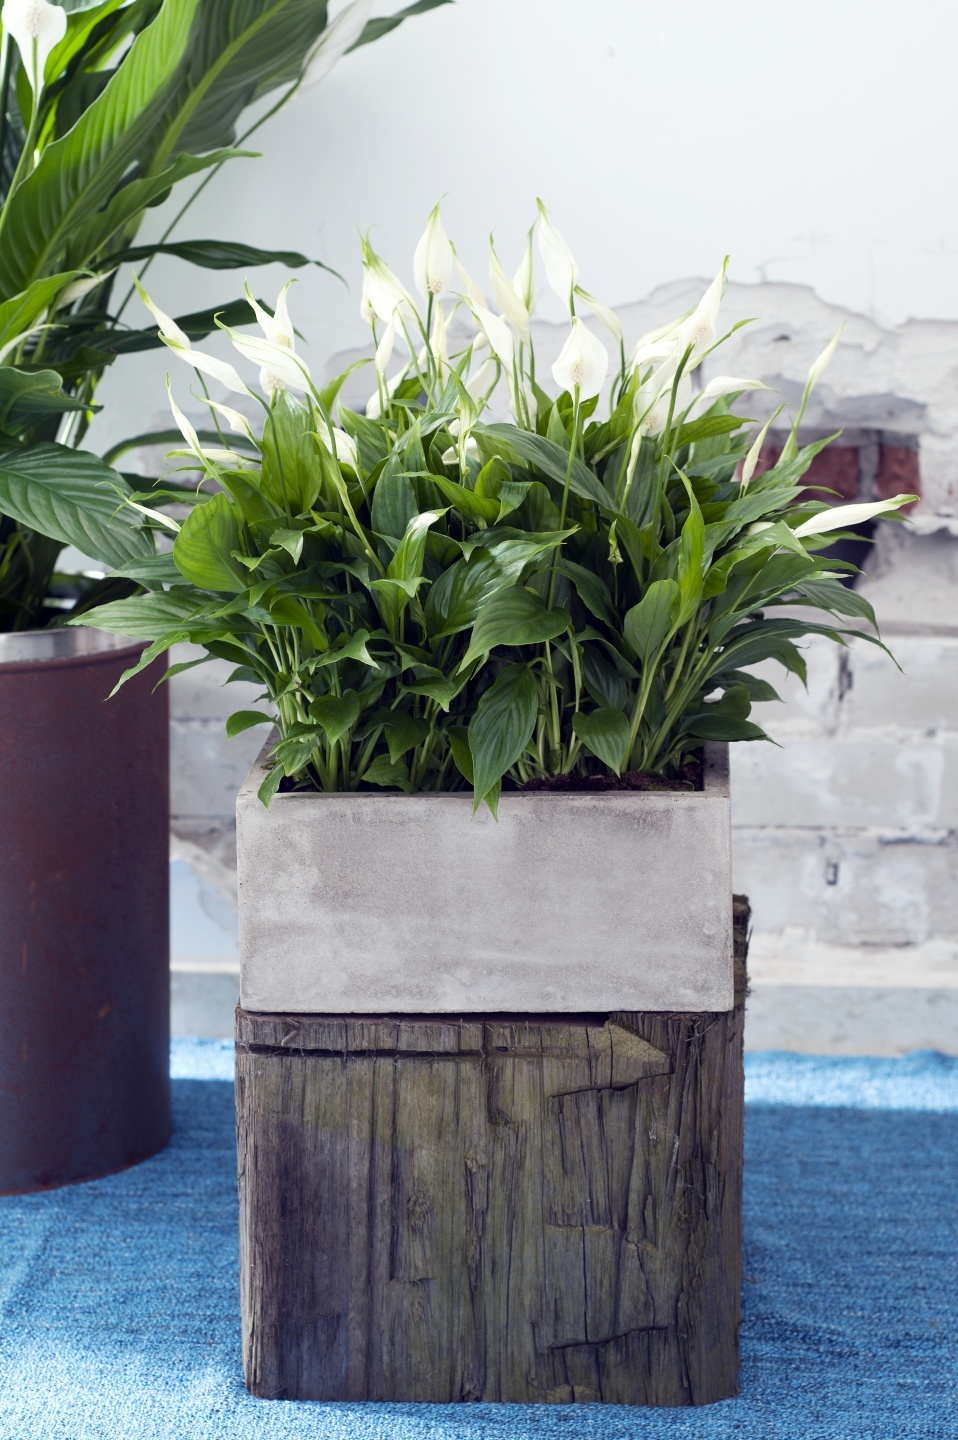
(442,691)
(91,234)
(203,548)
(467,501)
(269,787)
(28,396)
(24,308)
(352,647)
(461,754)
(830,594)
(649,623)
(291,470)
(142,617)
(73,497)
(392,774)
(546,456)
(405,732)
(217,255)
(723,727)
(606,733)
(153,571)
(290,540)
(501,727)
(707,426)
(78,174)
(382,24)
(456,597)
(336,713)
(394,502)
(691,561)
(242,720)
(591,590)
(513,617)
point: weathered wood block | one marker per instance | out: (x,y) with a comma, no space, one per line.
(521,1208)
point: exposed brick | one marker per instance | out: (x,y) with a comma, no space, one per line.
(835,468)
(898,472)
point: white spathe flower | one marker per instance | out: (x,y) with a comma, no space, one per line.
(700,329)
(601,312)
(278,327)
(507,297)
(755,451)
(561,270)
(839,517)
(480,383)
(524,280)
(280,367)
(37,27)
(205,454)
(583,362)
(439,338)
(822,363)
(336,39)
(651,405)
(434,260)
(237,422)
(470,451)
(498,334)
(655,345)
(470,289)
(181,345)
(338,441)
(729,385)
(384,350)
(383,291)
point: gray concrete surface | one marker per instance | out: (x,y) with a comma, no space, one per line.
(383,903)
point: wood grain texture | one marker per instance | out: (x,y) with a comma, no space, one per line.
(521,1208)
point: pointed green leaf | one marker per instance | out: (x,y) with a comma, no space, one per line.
(648,624)
(501,727)
(73,497)
(606,733)
(242,720)
(513,617)
(203,548)
(335,713)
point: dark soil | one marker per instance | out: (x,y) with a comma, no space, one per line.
(688,778)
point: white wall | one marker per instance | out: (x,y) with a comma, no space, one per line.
(812,141)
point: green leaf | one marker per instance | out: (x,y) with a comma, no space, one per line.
(217,255)
(649,623)
(606,733)
(394,502)
(456,597)
(708,425)
(270,785)
(27,396)
(142,617)
(24,308)
(290,540)
(467,501)
(546,456)
(405,733)
(377,28)
(392,774)
(336,713)
(78,174)
(242,720)
(291,471)
(501,727)
(153,571)
(73,497)
(829,594)
(203,548)
(591,590)
(351,647)
(723,727)
(442,691)
(513,617)
(461,754)
(691,573)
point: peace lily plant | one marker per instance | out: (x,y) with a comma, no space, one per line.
(432,597)
(106,107)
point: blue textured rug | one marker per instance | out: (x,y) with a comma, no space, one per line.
(118,1299)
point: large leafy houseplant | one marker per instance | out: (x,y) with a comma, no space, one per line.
(433,598)
(105,107)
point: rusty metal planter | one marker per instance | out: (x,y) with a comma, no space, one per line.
(84,910)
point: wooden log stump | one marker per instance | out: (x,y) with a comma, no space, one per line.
(521,1208)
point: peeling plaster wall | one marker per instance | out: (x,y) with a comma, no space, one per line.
(846,838)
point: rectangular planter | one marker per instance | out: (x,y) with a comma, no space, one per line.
(490,1097)
(384,903)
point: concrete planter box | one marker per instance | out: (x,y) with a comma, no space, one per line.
(379,903)
(490,1096)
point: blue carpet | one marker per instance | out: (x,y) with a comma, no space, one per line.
(118,1299)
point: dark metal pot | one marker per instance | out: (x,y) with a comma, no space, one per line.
(84,910)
